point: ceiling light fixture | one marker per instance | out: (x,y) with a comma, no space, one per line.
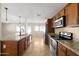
(6,13)
(20,24)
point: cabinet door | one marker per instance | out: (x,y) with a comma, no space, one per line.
(21,47)
(50,26)
(57,16)
(61,50)
(54,18)
(71,53)
(25,43)
(62,13)
(9,48)
(71,12)
(28,40)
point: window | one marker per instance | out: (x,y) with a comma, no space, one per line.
(36,28)
(29,30)
(20,30)
(40,28)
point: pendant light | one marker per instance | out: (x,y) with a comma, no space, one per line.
(19,20)
(20,24)
(6,13)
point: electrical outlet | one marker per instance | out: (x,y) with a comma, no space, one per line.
(4,46)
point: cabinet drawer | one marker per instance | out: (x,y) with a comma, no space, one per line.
(61,50)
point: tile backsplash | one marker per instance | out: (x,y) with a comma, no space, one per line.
(74,30)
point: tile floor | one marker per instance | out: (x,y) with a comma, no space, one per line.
(37,48)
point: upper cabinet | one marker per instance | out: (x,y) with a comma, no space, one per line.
(59,20)
(53,19)
(62,13)
(50,26)
(59,14)
(71,12)
(71,16)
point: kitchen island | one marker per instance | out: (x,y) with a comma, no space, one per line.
(14,45)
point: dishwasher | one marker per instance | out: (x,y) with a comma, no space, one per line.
(53,46)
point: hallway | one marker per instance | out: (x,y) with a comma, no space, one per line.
(37,48)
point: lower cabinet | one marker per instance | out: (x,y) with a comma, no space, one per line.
(13,48)
(9,48)
(61,50)
(25,44)
(71,53)
(28,40)
(64,51)
(21,47)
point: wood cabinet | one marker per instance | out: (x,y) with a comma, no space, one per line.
(13,47)
(28,40)
(57,16)
(61,50)
(64,51)
(9,48)
(54,18)
(62,13)
(71,12)
(21,47)
(25,44)
(50,25)
(71,53)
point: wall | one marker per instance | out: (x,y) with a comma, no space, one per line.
(0,19)
(36,33)
(74,30)
(8,29)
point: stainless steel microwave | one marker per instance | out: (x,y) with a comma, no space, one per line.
(60,22)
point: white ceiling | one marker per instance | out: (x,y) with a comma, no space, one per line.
(33,11)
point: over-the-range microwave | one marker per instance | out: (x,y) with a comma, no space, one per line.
(60,22)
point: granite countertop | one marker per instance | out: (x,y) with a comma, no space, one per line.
(12,37)
(70,44)
(73,45)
